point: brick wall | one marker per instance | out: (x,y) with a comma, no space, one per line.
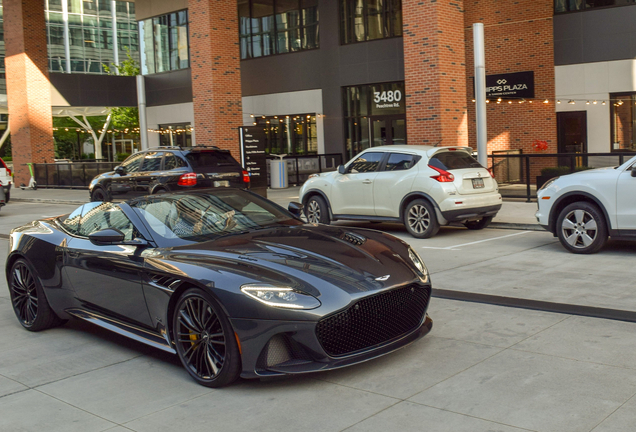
(518,37)
(434,72)
(28,88)
(216,73)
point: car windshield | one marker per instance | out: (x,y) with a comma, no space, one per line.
(179,219)
(451,160)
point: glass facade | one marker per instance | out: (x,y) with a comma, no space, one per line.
(364,20)
(176,134)
(164,43)
(91,25)
(579,5)
(374,115)
(268,27)
(293,134)
(623,121)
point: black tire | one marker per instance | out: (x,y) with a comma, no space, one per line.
(317,211)
(100,194)
(158,191)
(581,228)
(420,219)
(478,224)
(28,299)
(199,322)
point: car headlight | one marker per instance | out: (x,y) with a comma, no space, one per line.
(548,183)
(280,296)
(419,264)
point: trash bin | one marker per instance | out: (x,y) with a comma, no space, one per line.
(278,172)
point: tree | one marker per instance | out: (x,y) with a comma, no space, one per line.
(124,117)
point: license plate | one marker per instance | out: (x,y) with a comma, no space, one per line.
(224,183)
(478,183)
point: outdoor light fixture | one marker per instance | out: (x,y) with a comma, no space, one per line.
(603,102)
(499,100)
(546,101)
(509,102)
(571,102)
(587,103)
(487,100)
(559,102)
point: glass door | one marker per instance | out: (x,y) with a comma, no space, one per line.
(388,130)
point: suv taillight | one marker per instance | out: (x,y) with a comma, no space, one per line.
(443,177)
(491,172)
(246,177)
(188,179)
(6,167)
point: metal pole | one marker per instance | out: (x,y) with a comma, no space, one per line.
(480,93)
(113,14)
(67,43)
(141,100)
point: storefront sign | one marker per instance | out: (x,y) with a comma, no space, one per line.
(518,85)
(253,157)
(387,99)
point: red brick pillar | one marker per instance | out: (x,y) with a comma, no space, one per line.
(28,87)
(216,73)
(434,72)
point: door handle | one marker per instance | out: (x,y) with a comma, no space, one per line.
(73,254)
(367,181)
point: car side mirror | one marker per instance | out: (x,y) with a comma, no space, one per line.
(295,208)
(341,169)
(106,237)
(120,170)
(634,171)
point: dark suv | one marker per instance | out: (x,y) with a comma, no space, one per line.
(168,169)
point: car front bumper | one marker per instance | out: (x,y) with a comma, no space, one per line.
(274,348)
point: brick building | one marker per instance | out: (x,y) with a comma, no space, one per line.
(338,76)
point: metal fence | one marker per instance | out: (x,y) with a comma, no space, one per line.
(530,166)
(74,175)
(299,168)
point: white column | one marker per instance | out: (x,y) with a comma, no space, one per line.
(113,14)
(480,93)
(143,121)
(67,42)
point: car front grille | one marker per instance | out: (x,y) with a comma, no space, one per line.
(373,320)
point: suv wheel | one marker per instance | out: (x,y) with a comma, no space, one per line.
(99,194)
(420,219)
(317,211)
(478,224)
(581,228)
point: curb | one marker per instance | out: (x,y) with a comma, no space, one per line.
(516,226)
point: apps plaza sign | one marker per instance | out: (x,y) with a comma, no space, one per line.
(518,85)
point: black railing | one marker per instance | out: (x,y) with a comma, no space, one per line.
(299,168)
(528,167)
(74,175)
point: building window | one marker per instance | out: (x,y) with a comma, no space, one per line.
(268,27)
(364,20)
(579,5)
(293,134)
(90,34)
(374,115)
(623,120)
(178,134)
(164,43)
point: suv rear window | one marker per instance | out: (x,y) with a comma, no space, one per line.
(211,159)
(452,160)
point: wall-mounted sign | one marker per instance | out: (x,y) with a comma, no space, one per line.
(253,157)
(518,85)
(387,98)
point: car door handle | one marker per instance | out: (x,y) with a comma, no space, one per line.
(367,181)
(73,254)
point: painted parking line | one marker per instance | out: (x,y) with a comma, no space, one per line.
(456,247)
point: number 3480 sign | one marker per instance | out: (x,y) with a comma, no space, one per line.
(391,97)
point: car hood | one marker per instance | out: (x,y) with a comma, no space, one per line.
(312,258)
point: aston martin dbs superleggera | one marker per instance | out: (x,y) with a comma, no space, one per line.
(229,281)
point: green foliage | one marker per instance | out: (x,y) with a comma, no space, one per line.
(124,117)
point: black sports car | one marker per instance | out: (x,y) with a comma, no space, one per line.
(231,282)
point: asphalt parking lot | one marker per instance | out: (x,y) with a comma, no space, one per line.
(482,368)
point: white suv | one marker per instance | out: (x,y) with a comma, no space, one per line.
(421,186)
(584,208)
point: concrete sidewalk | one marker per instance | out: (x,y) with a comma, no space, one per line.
(513,215)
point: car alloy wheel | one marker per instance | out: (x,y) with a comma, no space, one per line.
(419,219)
(313,212)
(204,340)
(579,229)
(24,295)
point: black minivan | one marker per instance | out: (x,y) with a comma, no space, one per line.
(170,169)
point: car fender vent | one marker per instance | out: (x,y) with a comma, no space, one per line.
(164,281)
(356,239)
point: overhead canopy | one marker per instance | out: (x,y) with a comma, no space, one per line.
(79,111)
